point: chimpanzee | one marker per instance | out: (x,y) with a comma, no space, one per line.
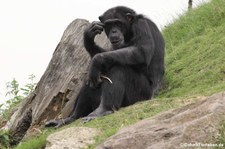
(132,71)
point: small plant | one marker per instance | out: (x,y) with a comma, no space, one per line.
(16,94)
(13,93)
(28,88)
(4,139)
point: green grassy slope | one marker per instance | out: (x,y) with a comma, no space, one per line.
(195,66)
(195,57)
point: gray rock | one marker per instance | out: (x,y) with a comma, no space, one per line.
(55,94)
(190,125)
(72,138)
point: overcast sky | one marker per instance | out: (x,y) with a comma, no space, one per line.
(30,30)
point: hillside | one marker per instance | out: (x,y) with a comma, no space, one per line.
(195,67)
(195,60)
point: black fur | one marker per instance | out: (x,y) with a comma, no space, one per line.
(135,65)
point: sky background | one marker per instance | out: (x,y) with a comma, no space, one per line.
(30,30)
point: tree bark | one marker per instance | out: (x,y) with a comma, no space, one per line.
(56,92)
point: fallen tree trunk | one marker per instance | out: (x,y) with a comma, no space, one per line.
(56,92)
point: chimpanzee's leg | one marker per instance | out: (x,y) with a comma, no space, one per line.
(138,88)
(112,95)
(128,86)
(87,100)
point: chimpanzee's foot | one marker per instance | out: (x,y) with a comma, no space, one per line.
(88,118)
(54,123)
(95,114)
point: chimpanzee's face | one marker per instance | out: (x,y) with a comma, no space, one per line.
(117,24)
(115,30)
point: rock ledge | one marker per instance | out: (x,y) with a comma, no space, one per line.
(195,123)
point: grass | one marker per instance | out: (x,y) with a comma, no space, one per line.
(34,143)
(109,125)
(195,66)
(195,54)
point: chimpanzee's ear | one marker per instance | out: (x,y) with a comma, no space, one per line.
(129,16)
(100,18)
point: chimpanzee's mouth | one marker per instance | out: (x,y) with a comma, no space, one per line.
(115,41)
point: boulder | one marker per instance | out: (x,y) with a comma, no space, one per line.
(193,125)
(55,94)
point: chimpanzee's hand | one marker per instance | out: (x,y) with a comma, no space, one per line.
(95,71)
(94,78)
(94,29)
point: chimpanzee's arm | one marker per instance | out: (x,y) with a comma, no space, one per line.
(89,35)
(130,56)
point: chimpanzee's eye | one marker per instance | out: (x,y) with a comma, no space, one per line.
(119,24)
(107,27)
